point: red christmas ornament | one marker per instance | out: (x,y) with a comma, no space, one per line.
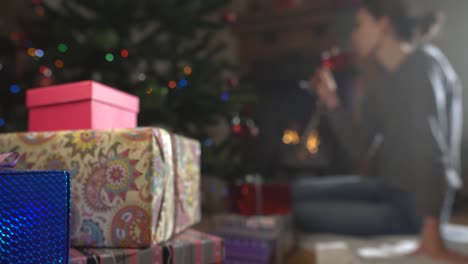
(229,17)
(237,129)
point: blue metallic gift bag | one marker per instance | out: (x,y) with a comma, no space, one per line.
(34,216)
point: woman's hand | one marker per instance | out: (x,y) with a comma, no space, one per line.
(324,85)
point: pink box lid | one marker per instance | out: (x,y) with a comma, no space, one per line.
(80,91)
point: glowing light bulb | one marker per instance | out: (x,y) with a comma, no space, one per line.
(39,53)
(62,47)
(183,83)
(59,63)
(225,96)
(172,84)
(32,52)
(14,88)
(187,70)
(109,57)
(124,53)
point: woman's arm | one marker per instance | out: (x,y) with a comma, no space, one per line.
(434,118)
(360,139)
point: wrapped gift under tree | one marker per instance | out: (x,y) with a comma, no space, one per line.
(193,246)
(255,197)
(131,187)
(188,247)
(256,239)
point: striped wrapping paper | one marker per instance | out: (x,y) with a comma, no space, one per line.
(194,247)
(188,247)
(116,256)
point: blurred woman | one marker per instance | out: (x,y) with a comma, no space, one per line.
(414,114)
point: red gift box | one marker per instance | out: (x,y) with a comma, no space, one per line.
(262,199)
(80,105)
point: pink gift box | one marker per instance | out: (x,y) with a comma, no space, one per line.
(80,105)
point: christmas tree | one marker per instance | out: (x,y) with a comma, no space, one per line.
(166,52)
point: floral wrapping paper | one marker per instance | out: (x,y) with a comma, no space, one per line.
(129,186)
(187,180)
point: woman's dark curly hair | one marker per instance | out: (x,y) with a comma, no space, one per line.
(408,28)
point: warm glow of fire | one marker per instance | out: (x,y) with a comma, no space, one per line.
(291,137)
(313,143)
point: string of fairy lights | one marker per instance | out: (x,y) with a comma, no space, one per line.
(59,63)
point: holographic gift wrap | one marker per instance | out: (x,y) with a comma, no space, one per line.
(131,187)
(34,216)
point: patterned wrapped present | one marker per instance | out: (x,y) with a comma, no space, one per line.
(188,247)
(130,187)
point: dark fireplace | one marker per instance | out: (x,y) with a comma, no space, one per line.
(284,111)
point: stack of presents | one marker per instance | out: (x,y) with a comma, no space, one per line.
(255,226)
(108,191)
